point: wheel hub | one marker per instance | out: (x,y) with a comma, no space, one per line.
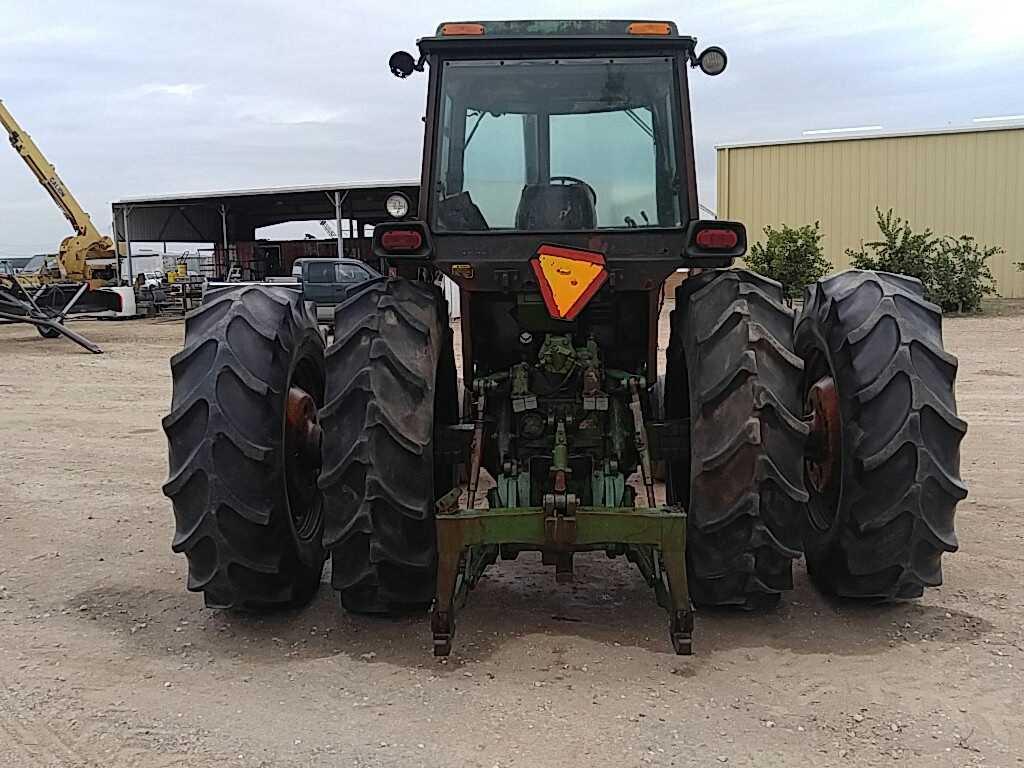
(302,430)
(301,453)
(824,442)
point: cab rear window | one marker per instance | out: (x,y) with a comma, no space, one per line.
(321,273)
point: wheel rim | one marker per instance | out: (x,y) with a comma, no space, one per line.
(302,460)
(823,457)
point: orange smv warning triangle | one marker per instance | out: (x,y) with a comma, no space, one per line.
(568,278)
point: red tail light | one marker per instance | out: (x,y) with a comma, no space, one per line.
(717,239)
(401,240)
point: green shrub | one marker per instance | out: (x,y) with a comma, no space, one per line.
(900,250)
(791,255)
(954,270)
(961,277)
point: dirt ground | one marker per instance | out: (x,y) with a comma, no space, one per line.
(106,660)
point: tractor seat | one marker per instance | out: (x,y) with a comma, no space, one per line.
(459,213)
(555,206)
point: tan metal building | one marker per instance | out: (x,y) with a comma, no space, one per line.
(954,182)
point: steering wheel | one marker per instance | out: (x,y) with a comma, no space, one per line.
(567,180)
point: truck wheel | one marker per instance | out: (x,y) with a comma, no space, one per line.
(244,449)
(731,371)
(391,378)
(883,464)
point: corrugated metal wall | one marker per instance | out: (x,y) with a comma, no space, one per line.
(955,183)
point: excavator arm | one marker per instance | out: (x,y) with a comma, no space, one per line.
(87,255)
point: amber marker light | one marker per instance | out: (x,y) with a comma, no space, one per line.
(649,28)
(455,30)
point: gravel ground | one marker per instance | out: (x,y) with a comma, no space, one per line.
(105,659)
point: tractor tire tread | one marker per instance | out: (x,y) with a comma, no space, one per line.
(747,449)
(896,385)
(378,422)
(226,479)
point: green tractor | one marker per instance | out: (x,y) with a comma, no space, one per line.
(559,193)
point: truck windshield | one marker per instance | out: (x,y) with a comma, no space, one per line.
(570,144)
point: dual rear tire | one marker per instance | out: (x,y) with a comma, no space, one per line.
(281,453)
(864,479)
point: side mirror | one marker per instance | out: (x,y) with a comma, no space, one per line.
(712,243)
(402,64)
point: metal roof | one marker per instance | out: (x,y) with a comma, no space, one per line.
(262,191)
(206,217)
(866,136)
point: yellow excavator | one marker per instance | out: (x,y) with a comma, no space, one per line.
(84,257)
(82,280)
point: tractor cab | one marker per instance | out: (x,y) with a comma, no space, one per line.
(578,130)
(556,151)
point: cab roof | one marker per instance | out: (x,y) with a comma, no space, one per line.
(548,34)
(557,28)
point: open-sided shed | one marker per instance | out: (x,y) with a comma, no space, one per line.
(229,220)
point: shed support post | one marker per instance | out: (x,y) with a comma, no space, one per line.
(224,238)
(338,199)
(127,241)
(224,228)
(117,246)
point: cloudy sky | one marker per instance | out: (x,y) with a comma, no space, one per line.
(139,98)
